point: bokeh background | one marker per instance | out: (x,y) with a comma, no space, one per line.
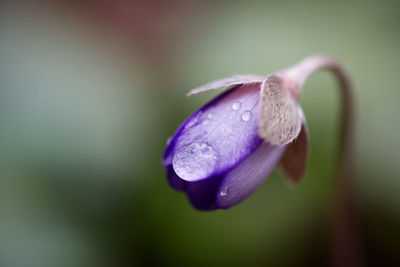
(91,90)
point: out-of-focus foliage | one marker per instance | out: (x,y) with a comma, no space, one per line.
(90,92)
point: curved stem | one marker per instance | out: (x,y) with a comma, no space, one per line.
(317,63)
(345,240)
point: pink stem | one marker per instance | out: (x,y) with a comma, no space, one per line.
(345,239)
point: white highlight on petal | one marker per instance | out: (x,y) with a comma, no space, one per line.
(227,83)
(224,191)
(211,116)
(281,116)
(236,105)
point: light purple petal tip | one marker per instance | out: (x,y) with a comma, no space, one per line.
(248,175)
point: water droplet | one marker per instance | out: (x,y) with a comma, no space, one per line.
(224,191)
(194,161)
(194,120)
(169,140)
(246,116)
(211,116)
(236,106)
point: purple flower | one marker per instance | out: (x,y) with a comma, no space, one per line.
(228,147)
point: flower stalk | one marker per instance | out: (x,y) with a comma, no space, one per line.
(345,240)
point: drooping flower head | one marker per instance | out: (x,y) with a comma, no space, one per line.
(228,147)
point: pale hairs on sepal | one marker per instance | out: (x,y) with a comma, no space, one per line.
(227,83)
(281,116)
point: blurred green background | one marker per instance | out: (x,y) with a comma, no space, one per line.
(90,91)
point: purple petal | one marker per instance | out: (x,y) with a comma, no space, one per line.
(167,157)
(228,189)
(218,136)
(241,181)
(201,194)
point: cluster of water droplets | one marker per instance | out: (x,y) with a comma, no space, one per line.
(210,116)
(246,116)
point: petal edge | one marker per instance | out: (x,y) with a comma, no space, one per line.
(243,180)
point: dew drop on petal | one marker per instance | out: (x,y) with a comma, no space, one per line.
(169,140)
(236,105)
(224,191)
(211,116)
(194,120)
(246,116)
(194,161)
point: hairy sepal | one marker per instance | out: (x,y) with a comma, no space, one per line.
(280,116)
(227,83)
